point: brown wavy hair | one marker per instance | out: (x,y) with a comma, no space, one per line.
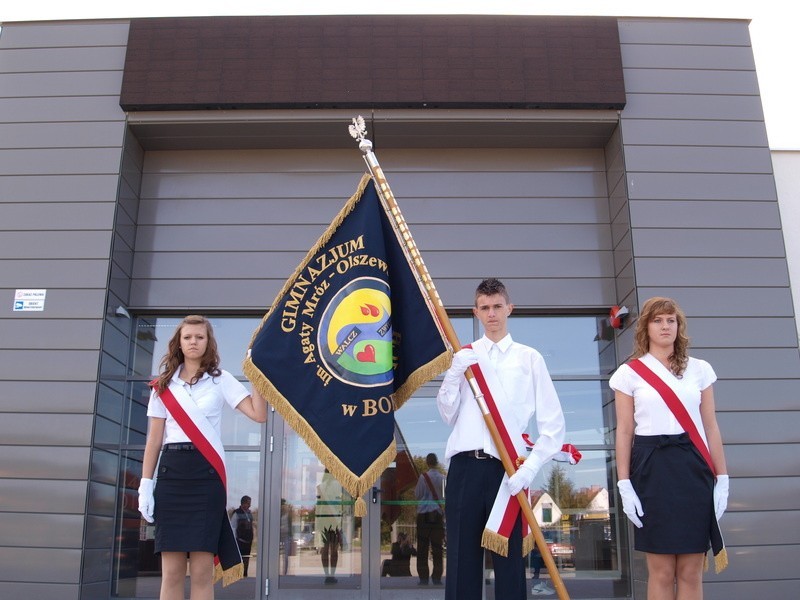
(173,358)
(641,340)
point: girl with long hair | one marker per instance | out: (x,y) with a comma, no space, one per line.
(188,501)
(671,490)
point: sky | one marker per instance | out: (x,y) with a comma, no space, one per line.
(773,28)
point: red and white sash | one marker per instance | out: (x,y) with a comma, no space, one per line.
(202,434)
(506,509)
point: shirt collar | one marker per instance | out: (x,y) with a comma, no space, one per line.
(503,344)
(176,377)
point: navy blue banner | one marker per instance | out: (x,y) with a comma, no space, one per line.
(347,341)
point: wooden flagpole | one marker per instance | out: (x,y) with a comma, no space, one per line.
(358,131)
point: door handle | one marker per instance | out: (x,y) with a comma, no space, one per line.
(375,492)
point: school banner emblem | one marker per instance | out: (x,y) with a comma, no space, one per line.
(347,341)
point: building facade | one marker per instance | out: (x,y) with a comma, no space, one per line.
(158,167)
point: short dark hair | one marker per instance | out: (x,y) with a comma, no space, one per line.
(431,460)
(490,287)
(244,499)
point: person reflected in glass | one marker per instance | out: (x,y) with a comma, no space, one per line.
(242,525)
(400,563)
(328,524)
(523,389)
(669,491)
(188,499)
(430,521)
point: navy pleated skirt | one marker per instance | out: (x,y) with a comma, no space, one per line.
(676,488)
(189,503)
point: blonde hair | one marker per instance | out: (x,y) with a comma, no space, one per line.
(173,358)
(641,339)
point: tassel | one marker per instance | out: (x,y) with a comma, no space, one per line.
(360,508)
(528,542)
(721,561)
(491,540)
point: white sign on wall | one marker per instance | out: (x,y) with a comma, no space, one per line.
(29,300)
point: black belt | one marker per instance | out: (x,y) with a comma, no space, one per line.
(479,454)
(173,447)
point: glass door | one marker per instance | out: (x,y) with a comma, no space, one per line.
(411,544)
(315,538)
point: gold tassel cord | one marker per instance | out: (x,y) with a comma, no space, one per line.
(721,561)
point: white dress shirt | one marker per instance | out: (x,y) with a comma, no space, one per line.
(209,394)
(529,391)
(651,414)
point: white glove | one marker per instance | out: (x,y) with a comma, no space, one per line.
(462,360)
(146,501)
(524,476)
(720,495)
(631,505)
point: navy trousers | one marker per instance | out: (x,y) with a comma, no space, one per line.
(472,486)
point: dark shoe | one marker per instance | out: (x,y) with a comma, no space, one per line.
(437,582)
(329,580)
(423,582)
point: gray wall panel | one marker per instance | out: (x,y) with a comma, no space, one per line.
(60,135)
(728,302)
(64,34)
(685,107)
(38,334)
(43,216)
(25,564)
(746,460)
(23,85)
(751,495)
(63,364)
(747,590)
(774,427)
(41,529)
(71,244)
(705,214)
(757,528)
(59,430)
(722,272)
(709,243)
(58,188)
(751,363)
(32,60)
(682,159)
(25,273)
(43,462)
(702,186)
(690,81)
(755,332)
(665,56)
(685,32)
(34,496)
(743,394)
(695,133)
(40,591)
(59,109)
(42,396)
(60,161)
